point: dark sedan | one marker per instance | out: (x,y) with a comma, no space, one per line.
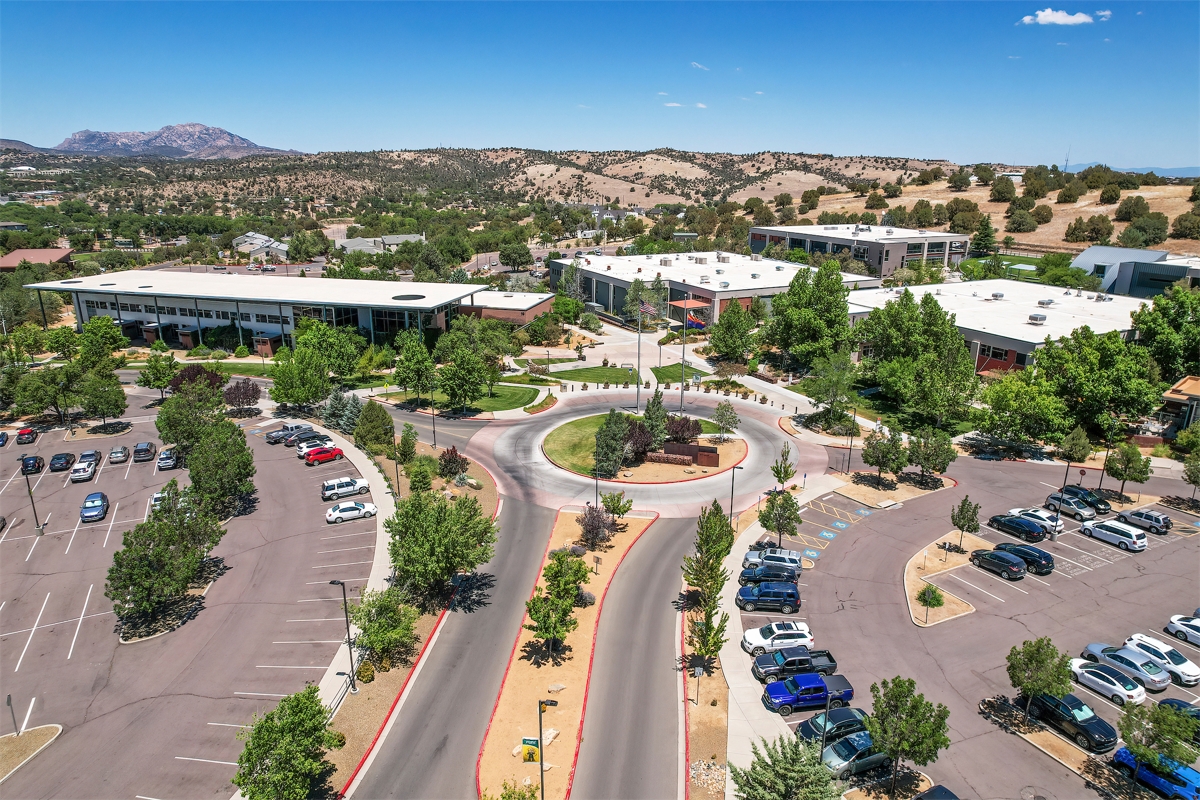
(1037,561)
(767,572)
(61,461)
(1187,708)
(32,465)
(1089,497)
(841,723)
(1075,720)
(1019,527)
(1005,565)
(3,438)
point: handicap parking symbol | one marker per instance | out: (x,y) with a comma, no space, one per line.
(840,524)
(1197,524)
(812,553)
(828,535)
(862,512)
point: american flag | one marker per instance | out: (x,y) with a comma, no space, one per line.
(646,308)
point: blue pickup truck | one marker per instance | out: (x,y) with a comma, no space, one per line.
(807,691)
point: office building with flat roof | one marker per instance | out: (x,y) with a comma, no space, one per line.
(883,248)
(700,283)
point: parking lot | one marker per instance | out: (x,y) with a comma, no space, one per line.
(158,718)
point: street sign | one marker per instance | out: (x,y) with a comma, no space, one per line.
(1083,473)
(529,750)
(596,560)
(697,672)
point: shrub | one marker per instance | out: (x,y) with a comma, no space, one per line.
(590,322)
(1042,214)
(451,463)
(667,458)
(365,672)
(1110,194)
(419,480)
(1188,439)
(219,355)
(199,352)
(159,346)
(1021,222)
(681,429)
(241,352)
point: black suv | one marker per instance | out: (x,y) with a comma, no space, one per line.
(61,461)
(768,572)
(1005,565)
(1037,561)
(303,436)
(1019,527)
(144,451)
(842,722)
(1074,719)
(1089,497)
(32,465)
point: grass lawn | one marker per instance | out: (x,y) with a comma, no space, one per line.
(243,368)
(595,375)
(529,380)
(573,444)
(670,373)
(503,398)
(878,408)
(521,362)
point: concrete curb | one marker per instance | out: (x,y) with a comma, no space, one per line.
(912,611)
(29,758)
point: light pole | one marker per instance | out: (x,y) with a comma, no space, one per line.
(36,525)
(542,706)
(683,357)
(825,726)
(349,641)
(853,422)
(732,478)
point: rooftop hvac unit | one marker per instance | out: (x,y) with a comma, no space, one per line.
(720,271)
(779,267)
(690,258)
(889,231)
(722,258)
(701,259)
(753,274)
(997,295)
(724,284)
(1099,298)
(1037,319)
(1045,303)
(756,257)
(664,262)
(704,279)
(831,227)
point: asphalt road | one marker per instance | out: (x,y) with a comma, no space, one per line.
(431,750)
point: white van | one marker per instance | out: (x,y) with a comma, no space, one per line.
(1123,536)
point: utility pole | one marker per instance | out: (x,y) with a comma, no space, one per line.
(349,641)
(542,706)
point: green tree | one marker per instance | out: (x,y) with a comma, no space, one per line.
(783,469)
(101,336)
(984,173)
(1186,226)
(1169,329)
(730,337)
(375,426)
(430,539)
(1191,472)
(338,348)
(706,635)
(153,566)
(610,444)
(1021,222)
(515,255)
(571,282)
(284,756)
(63,342)
(905,725)
(616,504)
(1036,668)
(194,525)
(1075,447)
(704,570)
(335,409)
(811,318)
(406,450)
(960,181)
(299,379)
(930,597)
(984,240)
(965,518)
(1157,734)
(564,574)
(385,624)
(56,389)
(885,451)
(1131,208)
(550,619)
(221,466)
(726,418)
(462,379)
(1020,407)
(419,480)
(101,395)
(787,769)
(186,416)
(1110,194)
(350,415)
(1126,463)
(780,515)
(830,382)
(931,450)
(655,419)
(1003,190)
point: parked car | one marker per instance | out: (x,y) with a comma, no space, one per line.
(1171,779)
(32,465)
(268,268)
(308,445)
(1107,681)
(344,487)
(91,455)
(807,691)
(1182,706)
(578,254)
(95,507)
(1184,628)
(1074,719)
(26,436)
(1049,521)
(771,667)
(781,597)
(773,555)
(156,500)
(936,792)
(167,460)
(289,428)
(118,455)
(1123,536)
(322,455)
(775,636)
(1179,668)
(1037,561)
(144,451)
(344,511)
(61,461)
(1133,663)
(1071,506)
(83,471)
(1005,565)
(303,436)
(1089,497)
(768,572)
(854,754)
(837,724)
(3,523)
(1025,529)
(3,438)
(1153,521)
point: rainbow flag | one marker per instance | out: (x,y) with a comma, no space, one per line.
(692,322)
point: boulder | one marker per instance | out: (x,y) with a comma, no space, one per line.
(555,688)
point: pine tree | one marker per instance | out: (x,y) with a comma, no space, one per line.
(610,444)
(335,410)
(984,240)
(655,420)
(350,416)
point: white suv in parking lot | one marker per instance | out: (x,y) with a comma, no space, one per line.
(1123,536)
(773,555)
(776,635)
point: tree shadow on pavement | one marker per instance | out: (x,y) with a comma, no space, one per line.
(474,592)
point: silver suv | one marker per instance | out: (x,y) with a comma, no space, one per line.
(773,555)
(1070,506)
(1152,521)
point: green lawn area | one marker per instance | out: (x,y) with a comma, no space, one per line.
(241,368)
(573,444)
(529,380)
(597,375)
(670,373)
(521,362)
(878,408)
(503,398)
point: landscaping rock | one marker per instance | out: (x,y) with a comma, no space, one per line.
(474,484)
(555,688)
(549,736)
(627,474)
(689,471)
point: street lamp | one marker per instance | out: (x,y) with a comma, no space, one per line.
(732,479)
(36,525)
(542,706)
(853,422)
(349,641)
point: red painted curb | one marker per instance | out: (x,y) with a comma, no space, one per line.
(399,694)
(687,739)
(547,408)
(542,447)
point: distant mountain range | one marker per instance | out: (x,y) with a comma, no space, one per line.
(190,140)
(1165,172)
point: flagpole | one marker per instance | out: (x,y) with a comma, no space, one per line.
(637,405)
(683,358)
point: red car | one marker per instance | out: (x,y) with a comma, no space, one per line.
(323,454)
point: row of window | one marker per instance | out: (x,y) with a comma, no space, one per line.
(997,353)
(183,311)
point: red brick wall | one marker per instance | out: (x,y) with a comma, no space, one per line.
(983,364)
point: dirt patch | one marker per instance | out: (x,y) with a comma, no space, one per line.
(533,670)
(864,487)
(877,785)
(360,715)
(488,495)
(708,733)
(1127,502)
(934,560)
(14,750)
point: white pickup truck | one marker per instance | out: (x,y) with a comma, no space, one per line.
(344,487)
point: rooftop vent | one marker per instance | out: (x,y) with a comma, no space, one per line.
(779,267)
(831,227)
(639,269)
(722,258)
(1099,298)
(889,231)
(664,262)
(704,279)
(608,267)
(997,295)
(1037,319)
(649,257)
(724,284)
(701,260)
(1045,303)
(756,257)
(720,271)
(753,274)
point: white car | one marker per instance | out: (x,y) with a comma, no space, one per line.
(1108,682)
(156,500)
(344,511)
(1184,628)
(1181,670)
(1050,522)
(1123,536)
(83,471)
(306,447)
(776,635)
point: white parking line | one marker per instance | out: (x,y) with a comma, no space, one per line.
(146,516)
(143,797)
(80,623)
(1069,561)
(258,694)
(1100,697)
(1039,580)
(321,600)
(973,586)
(128,468)
(39,480)
(344,535)
(327,566)
(36,539)
(53,624)
(110,524)
(1176,640)
(72,540)
(277,666)
(10,480)
(344,580)
(68,480)
(207,761)
(103,461)
(326,619)
(314,641)
(1085,552)
(25,722)
(227,725)
(346,549)
(1052,486)
(32,631)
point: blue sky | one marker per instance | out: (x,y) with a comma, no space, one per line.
(1017,82)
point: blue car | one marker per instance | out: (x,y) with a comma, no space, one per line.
(95,507)
(3,438)
(1181,783)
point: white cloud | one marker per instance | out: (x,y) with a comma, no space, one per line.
(758,92)
(701,105)
(672,105)
(1104,16)
(663,94)
(1062,44)
(581,105)
(1049,16)
(696,65)
(1015,58)
(1108,40)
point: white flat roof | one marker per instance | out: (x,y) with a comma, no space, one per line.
(507,301)
(974,309)
(683,269)
(866,233)
(263,289)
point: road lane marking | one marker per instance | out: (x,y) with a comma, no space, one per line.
(72,540)
(277,666)
(327,566)
(80,623)
(110,524)
(259,694)
(32,631)
(973,586)
(25,722)
(346,549)
(227,725)
(207,761)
